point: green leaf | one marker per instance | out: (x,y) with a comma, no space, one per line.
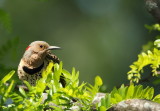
(130,92)
(108,101)
(103,102)
(150,93)
(118,97)
(7,77)
(66,73)
(157,98)
(40,86)
(48,69)
(16,97)
(73,71)
(113,101)
(138,91)
(21,90)
(98,81)
(28,85)
(145,92)
(122,91)
(9,89)
(114,91)
(102,108)
(157,43)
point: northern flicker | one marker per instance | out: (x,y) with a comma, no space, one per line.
(35,59)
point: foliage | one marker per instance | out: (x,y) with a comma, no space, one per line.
(148,58)
(151,58)
(63,97)
(73,94)
(153,27)
(4,89)
(127,92)
(148,46)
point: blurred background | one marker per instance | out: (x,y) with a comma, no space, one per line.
(97,37)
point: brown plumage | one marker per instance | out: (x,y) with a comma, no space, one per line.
(35,59)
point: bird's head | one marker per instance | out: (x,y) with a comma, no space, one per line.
(37,50)
(40,47)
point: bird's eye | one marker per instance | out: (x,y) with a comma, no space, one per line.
(41,46)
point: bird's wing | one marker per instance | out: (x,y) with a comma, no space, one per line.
(53,57)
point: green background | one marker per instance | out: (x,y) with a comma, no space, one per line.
(97,37)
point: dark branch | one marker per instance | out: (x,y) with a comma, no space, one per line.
(146,79)
(153,7)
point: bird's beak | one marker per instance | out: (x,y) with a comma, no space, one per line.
(53,47)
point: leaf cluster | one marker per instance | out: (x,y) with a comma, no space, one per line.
(5,89)
(153,27)
(55,95)
(151,58)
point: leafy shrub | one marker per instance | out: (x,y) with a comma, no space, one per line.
(149,58)
(63,97)
(127,92)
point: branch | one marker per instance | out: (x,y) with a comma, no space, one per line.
(136,105)
(153,7)
(146,79)
(130,105)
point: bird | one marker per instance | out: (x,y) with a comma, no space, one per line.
(35,59)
